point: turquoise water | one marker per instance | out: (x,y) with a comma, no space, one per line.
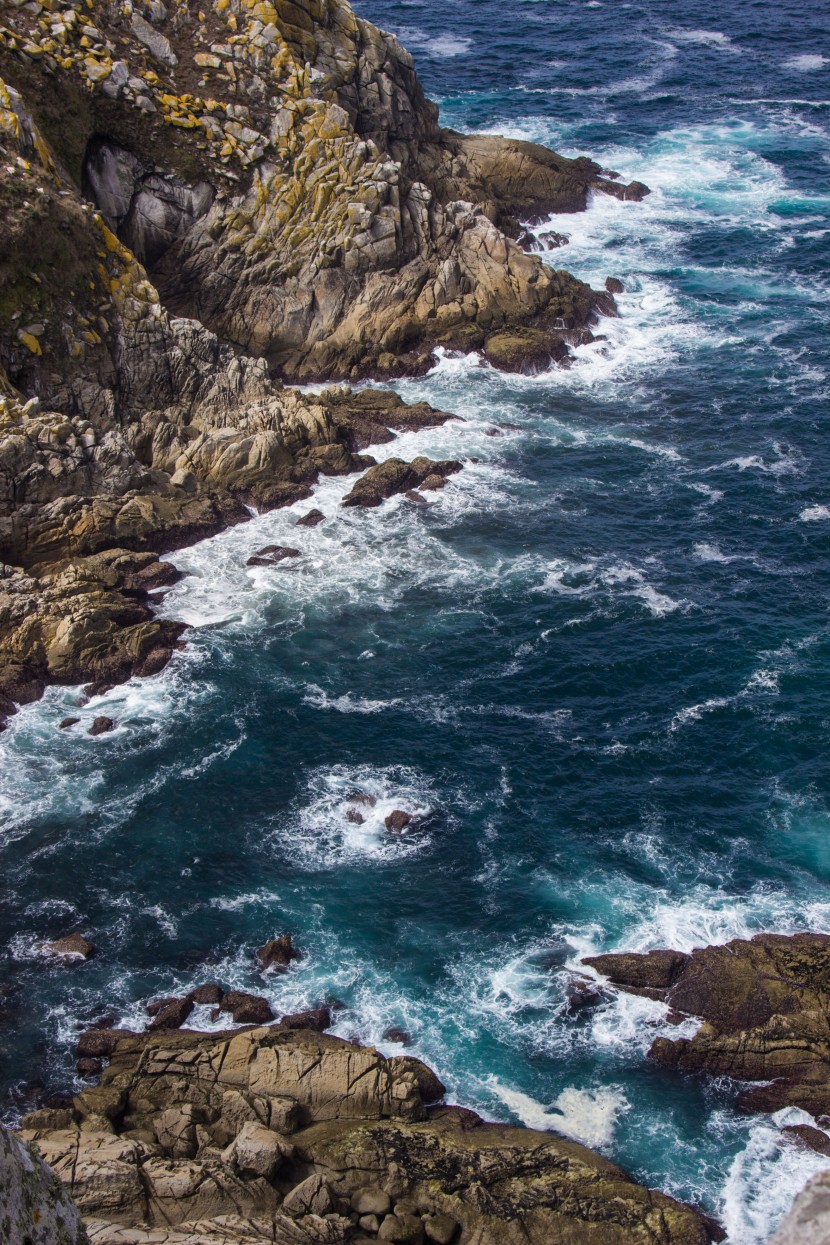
(596,664)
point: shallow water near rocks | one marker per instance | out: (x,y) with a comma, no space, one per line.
(596,665)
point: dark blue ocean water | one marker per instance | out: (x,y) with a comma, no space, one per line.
(597,664)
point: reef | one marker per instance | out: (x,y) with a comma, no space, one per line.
(201,205)
(291,1136)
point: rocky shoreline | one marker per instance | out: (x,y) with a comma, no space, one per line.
(200,209)
(277,1131)
(199,206)
(285,1134)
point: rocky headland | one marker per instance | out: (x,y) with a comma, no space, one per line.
(291,1136)
(199,206)
(764,1007)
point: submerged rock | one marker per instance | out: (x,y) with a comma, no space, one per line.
(102,725)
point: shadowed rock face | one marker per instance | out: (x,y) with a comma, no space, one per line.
(765,1004)
(293,1136)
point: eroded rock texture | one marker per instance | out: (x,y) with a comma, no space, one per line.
(198,200)
(34,1206)
(293,1136)
(765,1007)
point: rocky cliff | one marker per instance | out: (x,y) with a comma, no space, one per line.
(295,1137)
(199,203)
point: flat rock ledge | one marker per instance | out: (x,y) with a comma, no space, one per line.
(297,1137)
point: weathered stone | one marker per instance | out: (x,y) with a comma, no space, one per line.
(808,1137)
(246,1009)
(172,1014)
(311,1197)
(34,1208)
(397,821)
(101,726)
(311,519)
(371,1201)
(440,1228)
(72,947)
(257,1151)
(524,350)
(764,1004)
(277,953)
(316,1018)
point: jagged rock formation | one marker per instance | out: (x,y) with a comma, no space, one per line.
(265,177)
(297,1137)
(34,1207)
(765,1007)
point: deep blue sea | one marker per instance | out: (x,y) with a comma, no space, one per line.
(597,663)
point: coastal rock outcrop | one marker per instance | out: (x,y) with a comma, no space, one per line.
(293,1136)
(199,203)
(395,476)
(765,1007)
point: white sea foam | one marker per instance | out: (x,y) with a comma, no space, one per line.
(704,38)
(440,46)
(764,1176)
(608,578)
(321,835)
(814,514)
(586,1115)
(806,62)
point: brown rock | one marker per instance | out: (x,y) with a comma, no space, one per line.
(311,519)
(524,350)
(363,797)
(397,1035)
(355,816)
(614,285)
(271,555)
(809,1137)
(71,948)
(101,726)
(246,1009)
(657,970)
(277,953)
(395,476)
(316,1018)
(100,1043)
(397,821)
(764,1004)
(207,993)
(172,1014)
(65,723)
(442,1229)
(89,1068)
